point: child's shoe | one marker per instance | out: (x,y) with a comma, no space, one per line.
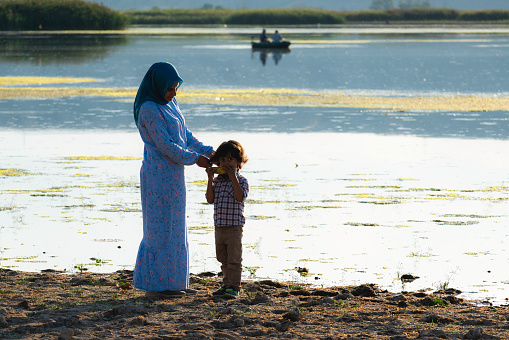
(220,291)
(230,293)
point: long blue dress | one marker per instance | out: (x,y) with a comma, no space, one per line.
(162,262)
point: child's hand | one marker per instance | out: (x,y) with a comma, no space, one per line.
(210,172)
(230,171)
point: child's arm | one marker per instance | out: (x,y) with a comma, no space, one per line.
(237,189)
(210,190)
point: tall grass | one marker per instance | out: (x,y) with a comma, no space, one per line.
(285,17)
(236,17)
(300,16)
(178,16)
(417,14)
(58,15)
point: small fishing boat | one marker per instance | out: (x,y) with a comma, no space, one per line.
(282,44)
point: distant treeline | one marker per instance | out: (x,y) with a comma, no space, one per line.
(80,14)
(58,15)
(305,16)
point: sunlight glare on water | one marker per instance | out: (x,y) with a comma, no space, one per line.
(353,208)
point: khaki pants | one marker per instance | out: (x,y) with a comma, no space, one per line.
(229,253)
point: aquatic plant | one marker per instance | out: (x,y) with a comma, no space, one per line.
(259,217)
(8,208)
(284,97)
(419,254)
(252,271)
(442,285)
(10,81)
(81,268)
(360,224)
(14,172)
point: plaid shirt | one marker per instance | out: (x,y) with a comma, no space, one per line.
(227,210)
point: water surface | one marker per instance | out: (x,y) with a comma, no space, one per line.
(355,195)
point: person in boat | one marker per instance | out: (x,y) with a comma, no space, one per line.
(276,37)
(263,37)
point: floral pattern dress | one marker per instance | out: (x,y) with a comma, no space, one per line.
(162,262)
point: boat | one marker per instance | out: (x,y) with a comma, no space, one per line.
(282,44)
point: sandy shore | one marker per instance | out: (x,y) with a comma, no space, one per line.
(52,305)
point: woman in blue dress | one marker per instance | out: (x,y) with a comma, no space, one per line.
(162,263)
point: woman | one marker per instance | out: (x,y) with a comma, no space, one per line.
(162,264)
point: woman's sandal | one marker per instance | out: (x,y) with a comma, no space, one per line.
(165,294)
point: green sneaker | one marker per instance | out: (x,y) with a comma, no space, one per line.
(220,291)
(230,293)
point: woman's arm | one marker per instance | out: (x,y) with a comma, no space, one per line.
(151,119)
(195,145)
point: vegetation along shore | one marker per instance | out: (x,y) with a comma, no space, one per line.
(83,15)
(106,306)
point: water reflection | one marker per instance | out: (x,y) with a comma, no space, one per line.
(50,49)
(265,53)
(424,63)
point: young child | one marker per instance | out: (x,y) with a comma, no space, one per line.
(228,191)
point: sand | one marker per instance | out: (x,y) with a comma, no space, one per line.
(53,305)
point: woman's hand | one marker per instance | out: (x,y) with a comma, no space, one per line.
(210,173)
(203,162)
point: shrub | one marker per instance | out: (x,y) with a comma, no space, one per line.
(58,15)
(484,15)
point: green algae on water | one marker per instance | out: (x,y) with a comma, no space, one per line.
(14,172)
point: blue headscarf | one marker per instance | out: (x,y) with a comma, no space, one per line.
(158,79)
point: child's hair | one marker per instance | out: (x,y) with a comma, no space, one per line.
(232,147)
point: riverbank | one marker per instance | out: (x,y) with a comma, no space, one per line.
(105,306)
